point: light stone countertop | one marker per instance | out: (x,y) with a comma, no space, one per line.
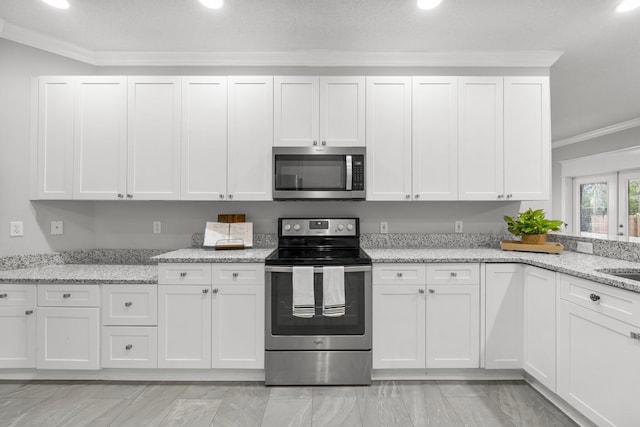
(212,255)
(83,274)
(573,263)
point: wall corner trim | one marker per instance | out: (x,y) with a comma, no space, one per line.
(618,127)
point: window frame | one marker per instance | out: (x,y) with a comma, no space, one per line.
(612,221)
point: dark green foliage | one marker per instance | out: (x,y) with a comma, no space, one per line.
(531,222)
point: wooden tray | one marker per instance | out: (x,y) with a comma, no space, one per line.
(228,247)
(517,245)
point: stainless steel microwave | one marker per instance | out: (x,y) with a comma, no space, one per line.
(318,173)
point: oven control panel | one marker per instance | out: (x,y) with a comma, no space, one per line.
(318,226)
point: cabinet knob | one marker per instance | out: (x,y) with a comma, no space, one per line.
(417,196)
(3,295)
(230,196)
(28,312)
(221,196)
(509,196)
(432,291)
(129,196)
(399,274)
(66,296)
(635,335)
(453,274)
(215,290)
(128,347)
(235,275)
(128,304)
(594,297)
(500,196)
(183,274)
(120,196)
(205,291)
(324,142)
(408,196)
(315,142)
(421,291)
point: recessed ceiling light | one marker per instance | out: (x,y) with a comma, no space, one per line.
(627,5)
(59,4)
(212,4)
(428,4)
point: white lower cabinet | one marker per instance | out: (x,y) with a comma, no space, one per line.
(504,289)
(540,325)
(598,353)
(129,347)
(424,325)
(18,326)
(184,326)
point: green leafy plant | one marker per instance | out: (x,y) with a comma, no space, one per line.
(531,222)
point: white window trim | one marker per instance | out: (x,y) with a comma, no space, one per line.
(623,203)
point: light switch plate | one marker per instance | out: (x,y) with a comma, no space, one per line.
(57,228)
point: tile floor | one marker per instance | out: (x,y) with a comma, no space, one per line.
(385,403)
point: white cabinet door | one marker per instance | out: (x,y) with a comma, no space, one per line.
(388,138)
(435,138)
(204,138)
(342,113)
(184,326)
(68,338)
(398,326)
(100,138)
(598,370)
(480,138)
(250,115)
(295,112)
(453,326)
(55,138)
(504,286)
(238,326)
(540,325)
(18,326)
(154,138)
(527,138)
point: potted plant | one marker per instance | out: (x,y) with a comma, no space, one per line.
(532,226)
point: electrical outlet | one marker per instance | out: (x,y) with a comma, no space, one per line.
(585,247)
(57,228)
(16,229)
(384,227)
(157,227)
(458,227)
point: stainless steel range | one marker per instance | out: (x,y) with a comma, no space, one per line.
(321,346)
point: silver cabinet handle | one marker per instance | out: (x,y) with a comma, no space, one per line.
(408,196)
(500,196)
(230,196)
(399,274)
(421,291)
(594,297)
(432,291)
(235,275)
(28,312)
(128,347)
(3,295)
(120,196)
(635,335)
(221,196)
(205,291)
(183,274)
(324,142)
(453,274)
(66,296)
(129,196)
(509,196)
(417,196)
(215,290)
(315,142)
(128,304)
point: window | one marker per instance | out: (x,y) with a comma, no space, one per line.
(595,206)
(629,196)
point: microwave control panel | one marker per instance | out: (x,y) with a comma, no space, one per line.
(358,173)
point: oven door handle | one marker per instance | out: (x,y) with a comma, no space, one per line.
(347,269)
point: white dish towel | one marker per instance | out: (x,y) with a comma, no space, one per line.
(333,291)
(303,296)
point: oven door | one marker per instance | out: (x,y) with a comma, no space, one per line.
(284,331)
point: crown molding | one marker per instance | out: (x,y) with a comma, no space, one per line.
(618,127)
(319,58)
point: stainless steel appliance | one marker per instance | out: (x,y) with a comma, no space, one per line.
(319,173)
(320,349)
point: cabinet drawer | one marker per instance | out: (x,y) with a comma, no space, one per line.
(129,347)
(453,274)
(399,274)
(184,273)
(69,295)
(135,305)
(610,301)
(17,295)
(246,274)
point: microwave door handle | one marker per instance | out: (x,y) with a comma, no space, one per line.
(349,161)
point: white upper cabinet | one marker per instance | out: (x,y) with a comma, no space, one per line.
(250,121)
(342,103)
(154,138)
(100,138)
(388,138)
(55,138)
(480,138)
(435,138)
(310,110)
(527,138)
(204,138)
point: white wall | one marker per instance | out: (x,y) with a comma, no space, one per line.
(128,224)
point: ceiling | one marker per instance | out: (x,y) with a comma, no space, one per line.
(594,83)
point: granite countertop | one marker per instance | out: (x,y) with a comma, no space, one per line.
(573,263)
(83,274)
(212,255)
